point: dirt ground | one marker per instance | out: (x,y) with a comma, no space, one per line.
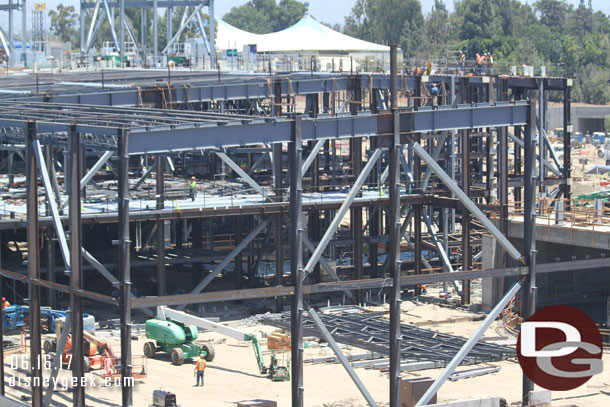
(234,376)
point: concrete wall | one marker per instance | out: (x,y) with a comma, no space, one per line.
(584,118)
(587,290)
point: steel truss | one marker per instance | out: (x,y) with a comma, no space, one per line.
(402,141)
(104,10)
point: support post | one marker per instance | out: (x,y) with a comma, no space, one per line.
(212,26)
(296,264)
(466,246)
(155,35)
(33,264)
(124,270)
(161,273)
(394,231)
(567,139)
(529,232)
(122,32)
(279,227)
(76,264)
(49,236)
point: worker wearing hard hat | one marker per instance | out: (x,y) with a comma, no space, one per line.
(192,188)
(5,303)
(200,368)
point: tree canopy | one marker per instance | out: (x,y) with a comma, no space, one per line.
(265,16)
(554,33)
(63,22)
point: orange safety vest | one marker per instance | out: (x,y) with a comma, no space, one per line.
(200,365)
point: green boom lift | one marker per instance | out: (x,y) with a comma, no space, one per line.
(174,332)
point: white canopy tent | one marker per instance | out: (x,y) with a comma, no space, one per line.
(303,40)
(306,35)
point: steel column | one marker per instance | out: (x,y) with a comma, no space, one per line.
(567,139)
(76,281)
(155,34)
(212,25)
(33,264)
(279,223)
(394,232)
(49,236)
(161,273)
(529,232)
(124,270)
(122,32)
(296,263)
(466,245)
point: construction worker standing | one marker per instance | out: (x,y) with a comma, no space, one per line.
(200,368)
(192,188)
(5,303)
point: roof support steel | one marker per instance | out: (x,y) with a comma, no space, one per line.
(59,227)
(313,260)
(471,206)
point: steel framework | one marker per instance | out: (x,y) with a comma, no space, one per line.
(406,143)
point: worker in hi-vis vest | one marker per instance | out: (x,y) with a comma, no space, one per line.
(200,368)
(192,188)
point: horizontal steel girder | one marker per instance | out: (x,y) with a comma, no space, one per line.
(279,130)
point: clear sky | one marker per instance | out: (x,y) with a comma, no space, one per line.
(330,11)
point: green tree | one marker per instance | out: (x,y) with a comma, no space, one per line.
(552,12)
(476,19)
(64,22)
(265,16)
(388,21)
(437,26)
(592,84)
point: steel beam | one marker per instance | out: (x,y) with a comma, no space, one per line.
(160,241)
(529,230)
(181,29)
(125,269)
(312,156)
(59,228)
(341,212)
(470,343)
(545,162)
(346,364)
(471,206)
(242,174)
(295,149)
(394,229)
(57,360)
(76,282)
(33,263)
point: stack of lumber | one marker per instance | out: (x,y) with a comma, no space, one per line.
(278,341)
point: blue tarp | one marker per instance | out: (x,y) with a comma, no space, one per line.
(599,169)
(18,45)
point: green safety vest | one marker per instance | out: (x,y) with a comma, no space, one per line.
(193,185)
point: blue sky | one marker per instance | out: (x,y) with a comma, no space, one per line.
(330,11)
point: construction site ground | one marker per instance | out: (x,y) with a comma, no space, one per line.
(233,374)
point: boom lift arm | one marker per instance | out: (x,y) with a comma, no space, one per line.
(275,372)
